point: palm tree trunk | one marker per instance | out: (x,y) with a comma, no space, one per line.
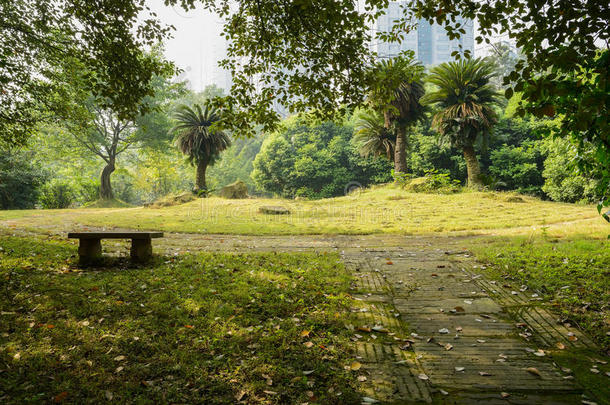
(105,186)
(400,152)
(200,184)
(472,164)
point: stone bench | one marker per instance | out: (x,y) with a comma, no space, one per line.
(90,247)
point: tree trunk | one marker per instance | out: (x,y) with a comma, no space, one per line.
(200,184)
(400,151)
(105,186)
(472,164)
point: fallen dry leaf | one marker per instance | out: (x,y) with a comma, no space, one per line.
(362,378)
(448,346)
(560,346)
(423,377)
(484,374)
(355,366)
(539,353)
(534,371)
(305,333)
(308,344)
(504,394)
(119,358)
(60,397)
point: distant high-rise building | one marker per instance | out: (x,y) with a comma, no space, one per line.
(429,42)
(221,76)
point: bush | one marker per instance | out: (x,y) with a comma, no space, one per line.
(562,182)
(56,194)
(517,168)
(87,191)
(433,182)
(20,181)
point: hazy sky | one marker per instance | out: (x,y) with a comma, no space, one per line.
(196,45)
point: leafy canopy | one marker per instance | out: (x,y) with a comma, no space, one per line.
(42,39)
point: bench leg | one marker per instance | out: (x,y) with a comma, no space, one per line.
(141,250)
(89,251)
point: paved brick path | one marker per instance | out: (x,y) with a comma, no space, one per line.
(469,340)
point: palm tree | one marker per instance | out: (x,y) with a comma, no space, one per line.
(465,99)
(372,137)
(396,91)
(196,137)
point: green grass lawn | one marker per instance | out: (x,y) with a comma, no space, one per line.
(202,328)
(378,210)
(215,327)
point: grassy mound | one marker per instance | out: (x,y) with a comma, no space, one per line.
(173,199)
(113,203)
(381,209)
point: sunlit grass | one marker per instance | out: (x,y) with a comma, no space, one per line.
(378,210)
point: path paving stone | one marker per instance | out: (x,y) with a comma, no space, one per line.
(466,341)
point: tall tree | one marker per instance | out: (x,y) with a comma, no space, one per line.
(465,99)
(396,88)
(199,139)
(372,137)
(102,132)
(42,38)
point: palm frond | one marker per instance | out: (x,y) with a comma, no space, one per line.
(465,99)
(194,135)
(371,136)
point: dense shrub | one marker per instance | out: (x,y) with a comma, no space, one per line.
(428,153)
(433,182)
(314,161)
(518,168)
(562,181)
(20,181)
(56,194)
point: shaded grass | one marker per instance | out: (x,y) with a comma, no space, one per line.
(572,273)
(200,328)
(377,210)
